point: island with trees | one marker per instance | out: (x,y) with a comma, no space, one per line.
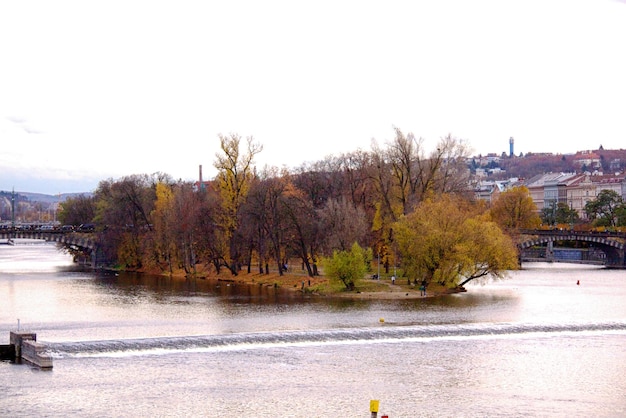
(338,225)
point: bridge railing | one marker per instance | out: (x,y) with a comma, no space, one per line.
(565,232)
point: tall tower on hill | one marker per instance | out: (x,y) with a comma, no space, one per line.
(511,141)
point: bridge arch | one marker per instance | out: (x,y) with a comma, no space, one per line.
(611,244)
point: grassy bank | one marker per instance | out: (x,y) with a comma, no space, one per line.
(321,285)
(299,281)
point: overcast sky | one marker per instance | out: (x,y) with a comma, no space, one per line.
(93,90)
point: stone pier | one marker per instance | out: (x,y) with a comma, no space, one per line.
(27,348)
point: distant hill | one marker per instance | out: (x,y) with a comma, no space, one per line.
(608,162)
(44,198)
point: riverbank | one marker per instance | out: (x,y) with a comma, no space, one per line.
(298,281)
(382,289)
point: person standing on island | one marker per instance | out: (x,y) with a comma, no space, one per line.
(393,279)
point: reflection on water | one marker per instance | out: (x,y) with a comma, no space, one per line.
(129,345)
(163,288)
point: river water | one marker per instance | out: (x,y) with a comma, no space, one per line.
(536,344)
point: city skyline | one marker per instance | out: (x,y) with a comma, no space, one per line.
(489,156)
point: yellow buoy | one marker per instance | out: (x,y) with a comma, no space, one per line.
(381,320)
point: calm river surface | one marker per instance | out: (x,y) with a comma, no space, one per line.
(535,344)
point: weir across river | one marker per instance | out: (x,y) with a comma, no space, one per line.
(80,241)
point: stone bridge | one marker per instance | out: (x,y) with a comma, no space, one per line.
(610,243)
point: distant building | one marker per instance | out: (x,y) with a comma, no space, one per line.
(548,190)
(487,191)
(490,190)
(481,172)
(484,160)
(201,184)
(574,190)
(580,191)
(615,165)
(615,183)
(588,159)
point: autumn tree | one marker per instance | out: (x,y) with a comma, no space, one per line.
(254,229)
(548,214)
(185,213)
(484,251)
(327,187)
(514,209)
(265,209)
(77,210)
(354,168)
(404,174)
(566,214)
(304,232)
(403,153)
(164,225)
(447,241)
(318,180)
(124,207)
(210,242)
(388,208)
(605,209)
(235,171)
(419,175)
(452,173)
(344,224)
(348,267)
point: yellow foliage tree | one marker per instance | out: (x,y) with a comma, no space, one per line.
(514,210)
(162,216)
(349,267)
(447,241)
(235,172)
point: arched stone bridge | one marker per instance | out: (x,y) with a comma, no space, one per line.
(82,242)
(611,243)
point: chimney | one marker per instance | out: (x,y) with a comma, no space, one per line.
(200,183)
